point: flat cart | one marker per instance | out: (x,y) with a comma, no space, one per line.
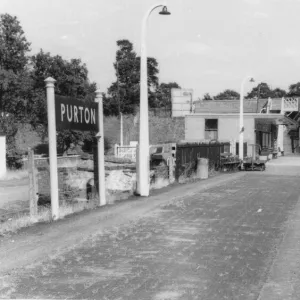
(253,163)
(229,162)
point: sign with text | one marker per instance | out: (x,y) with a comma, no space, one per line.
(73,114)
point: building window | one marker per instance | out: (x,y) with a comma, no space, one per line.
(211,129)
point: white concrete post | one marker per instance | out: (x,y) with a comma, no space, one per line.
(116,150)
(121,129)
(52,147)
(280,138)
(269,105)
(2,156)
(100,140)
(241,133)
(282,106)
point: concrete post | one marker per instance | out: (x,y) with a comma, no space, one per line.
(33,189)
(100,140)
(280,138)
(171,169)
(241,133)
(52,147)
(282,106)
(121,129)
(2,156)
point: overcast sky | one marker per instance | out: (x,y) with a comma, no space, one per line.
(206,45)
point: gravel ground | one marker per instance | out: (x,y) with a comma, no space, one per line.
(216,244)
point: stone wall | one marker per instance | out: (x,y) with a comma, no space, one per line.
(67,168)
(161,130)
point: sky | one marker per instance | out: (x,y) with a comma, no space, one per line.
(208,46)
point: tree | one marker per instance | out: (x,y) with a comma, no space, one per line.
(71,81)
(71,76)
(279,93)
(13,44)
(261,91)
(124,93)
(207,96)
(13,57)
(294,90)
(227,95)
(163,95)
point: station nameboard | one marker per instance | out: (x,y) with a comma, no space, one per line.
(74,114)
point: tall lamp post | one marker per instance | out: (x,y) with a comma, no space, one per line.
(241,133)
(143,153)
(119,103)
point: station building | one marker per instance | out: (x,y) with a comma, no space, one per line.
(273,124)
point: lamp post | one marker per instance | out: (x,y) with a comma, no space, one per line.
(241,132)
(119,103)
(143,152)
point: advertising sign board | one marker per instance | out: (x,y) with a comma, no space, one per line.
(182,101)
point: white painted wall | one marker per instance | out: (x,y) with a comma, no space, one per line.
(194,128)
(2,156)
(228,129)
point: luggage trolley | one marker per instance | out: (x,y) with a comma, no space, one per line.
(253,163)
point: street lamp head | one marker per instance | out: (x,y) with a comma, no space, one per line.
(252,80)
(164,11)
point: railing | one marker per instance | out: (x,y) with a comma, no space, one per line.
(126,152)
(290,104)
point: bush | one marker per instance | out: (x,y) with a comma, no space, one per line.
(14,160)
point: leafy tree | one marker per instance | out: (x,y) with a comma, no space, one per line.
(262,91)
(227,95)
(279,93)
(294,90)
(13,57)
(124,93)
(71,81)
(71,76)
(207,96)
(13,44)
(163,95)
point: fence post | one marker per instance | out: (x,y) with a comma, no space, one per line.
(33,193)
(171,169)
(116,150)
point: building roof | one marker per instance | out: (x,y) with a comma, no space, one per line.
(229,106)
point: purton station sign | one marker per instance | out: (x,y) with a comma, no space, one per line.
(73,114)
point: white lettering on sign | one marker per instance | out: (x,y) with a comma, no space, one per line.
(78,114)
(87,115)
(63,110)
(69,116)
(80,108)
(93,116)
(75,114)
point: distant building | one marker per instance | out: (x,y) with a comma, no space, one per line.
(267,123)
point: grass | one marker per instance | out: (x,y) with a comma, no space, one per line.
(21,220)
(15,174)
